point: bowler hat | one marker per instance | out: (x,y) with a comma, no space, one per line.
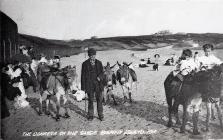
(91,52)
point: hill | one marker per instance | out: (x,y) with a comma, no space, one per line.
(138,43)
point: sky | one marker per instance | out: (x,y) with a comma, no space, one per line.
(82,19)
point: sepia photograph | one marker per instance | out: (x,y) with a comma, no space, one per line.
(111,69)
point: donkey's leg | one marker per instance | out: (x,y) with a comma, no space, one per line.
(196,108)
(104,96)
(185,117)
(47,105)
(178,122)
(195,122)
(124,94)
(169,102)
(130,97)
(58,106)
(130,91)
(65,106)
(41,105)
(212,112)
(208,106)
(113,97)
(217,105)
(175,109)
(34,81)
(108,95)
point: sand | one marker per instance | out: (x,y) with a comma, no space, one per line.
(146,118)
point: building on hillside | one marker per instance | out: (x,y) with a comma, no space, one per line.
(9,38)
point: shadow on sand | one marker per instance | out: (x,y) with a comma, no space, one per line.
(34,103)
(144,109)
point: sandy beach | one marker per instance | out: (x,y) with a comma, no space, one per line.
(144,119)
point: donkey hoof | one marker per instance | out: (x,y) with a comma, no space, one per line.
(57,118)
(67,115)
(196,132)
(178,122)
(47,113)
(182,130)
(105,103)
(170,124)
(213,117)
(125,99)
(40,113)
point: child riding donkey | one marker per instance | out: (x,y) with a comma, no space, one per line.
(185,66)
(54,81)
(174,81)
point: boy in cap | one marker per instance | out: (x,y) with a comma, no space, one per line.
(208,60)
(90,83)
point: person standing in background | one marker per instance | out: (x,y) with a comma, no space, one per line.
(32,53)
(196,57)
(91,83)
(156,64)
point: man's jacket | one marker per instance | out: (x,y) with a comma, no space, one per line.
(86,82)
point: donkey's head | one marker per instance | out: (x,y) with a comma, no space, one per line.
(123,74)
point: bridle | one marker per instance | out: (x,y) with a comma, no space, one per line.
(123,70)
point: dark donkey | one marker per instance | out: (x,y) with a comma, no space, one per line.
(108,80)
(55,83)
(204,85)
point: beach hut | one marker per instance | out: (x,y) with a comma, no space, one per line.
(9,38)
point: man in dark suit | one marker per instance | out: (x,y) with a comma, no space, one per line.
(91,83)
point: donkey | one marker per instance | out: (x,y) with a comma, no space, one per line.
(108,80)
(204,85)
(54,83)
(123,76)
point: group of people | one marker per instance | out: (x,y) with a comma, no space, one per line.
(171,61)
(19,71)
(144,63)
(188,63)
(90,81)
(92,68)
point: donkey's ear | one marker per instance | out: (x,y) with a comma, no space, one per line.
(69,66)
